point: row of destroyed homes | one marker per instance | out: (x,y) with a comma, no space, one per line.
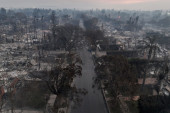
(22,64)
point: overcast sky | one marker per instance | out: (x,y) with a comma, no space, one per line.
(88,4)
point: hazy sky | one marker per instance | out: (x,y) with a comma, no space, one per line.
(88,4)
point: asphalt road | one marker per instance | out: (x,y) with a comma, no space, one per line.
(93,102)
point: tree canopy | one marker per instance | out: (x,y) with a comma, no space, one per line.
(120,75)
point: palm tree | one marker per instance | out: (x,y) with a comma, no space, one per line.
(152,48)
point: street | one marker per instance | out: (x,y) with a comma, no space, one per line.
(93,101)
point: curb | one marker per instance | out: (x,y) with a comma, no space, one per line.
(104,96)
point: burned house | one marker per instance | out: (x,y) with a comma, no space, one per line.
(102,50)
(125,53)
